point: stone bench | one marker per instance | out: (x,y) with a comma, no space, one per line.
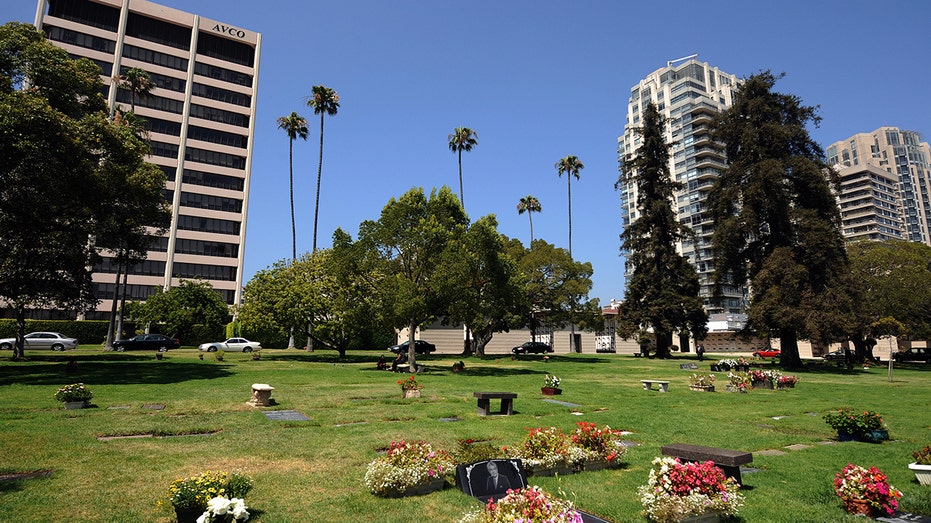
(507,399)
(261,395)
(728,460)
(648,385)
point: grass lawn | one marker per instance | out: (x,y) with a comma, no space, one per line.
(313,470)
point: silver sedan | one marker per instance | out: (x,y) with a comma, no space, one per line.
(42,340)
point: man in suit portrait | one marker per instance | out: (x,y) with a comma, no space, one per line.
(496,482)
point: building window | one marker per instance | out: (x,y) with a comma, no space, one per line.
(219,115)
(86,12)
(214,225)
(157,125)
(221,95)
(164,82)
(165,150)
(157,31)
(205,248)
(219,181)
(214,203)
(219,73)
(225,49)
(86,41)
(218,137)
(193,154)
(152,102)
(106,68)
(155,57)
(207,272)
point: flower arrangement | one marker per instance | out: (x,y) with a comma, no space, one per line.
(458,366)
(854,423)
(410,383)
(923,456)
(74,392)
(543,448)
(857,483)
(196,492)
(551,381)
(787,379)
(676,490)
(406,465)
(528,505)
(739,381)
(595,443)
(701,380)
(224,510)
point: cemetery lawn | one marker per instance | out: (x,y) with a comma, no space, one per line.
(313,470)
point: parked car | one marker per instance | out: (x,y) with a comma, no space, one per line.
(420,347)
(231,345)
(913,354)
(837,355)
(42,340)
(532,347)
(158,342)
(767,353)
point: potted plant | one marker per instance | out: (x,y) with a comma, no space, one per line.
(408,468)
(786,381)
(190,497)
(866,491)
(855,425)
(551,385)
(762,379)
(922,465)
(677,491)
(702,382)
(595,448)
(74,396)
(224,510)
(410,388)
(527,505)
(738,382)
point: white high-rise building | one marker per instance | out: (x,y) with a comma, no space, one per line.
(201,121)
(885,185)
(688,94)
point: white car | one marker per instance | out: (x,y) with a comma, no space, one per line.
(231,345)
(42,340)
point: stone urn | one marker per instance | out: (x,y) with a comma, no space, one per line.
(411,393)
(922,472)
(550,391)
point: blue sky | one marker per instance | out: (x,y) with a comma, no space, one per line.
(537,80)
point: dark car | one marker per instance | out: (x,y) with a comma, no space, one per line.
(837,355)
(420,347)
(532,347)
(158,342)
(913,354)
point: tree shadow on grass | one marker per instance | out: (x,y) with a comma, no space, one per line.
(93,372)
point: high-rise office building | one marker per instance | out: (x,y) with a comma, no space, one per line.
(688,94)
(885,184)
(200,118)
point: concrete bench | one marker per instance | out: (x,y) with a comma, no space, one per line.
(648,385)
(261,395)
(728,460)
(507,399)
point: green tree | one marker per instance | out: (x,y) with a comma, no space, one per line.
(138,82)
(570,166)
(62,157)
(295,126)
(485,285)
(325,101)
(462,139)
(776,219)
(662,292)
(180,308)
(407,243)
(529,204)
(893,280)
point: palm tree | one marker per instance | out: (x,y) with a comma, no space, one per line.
(324,101)
(571,165)
(138,82)
(530,204)
(295,126)
(462,139)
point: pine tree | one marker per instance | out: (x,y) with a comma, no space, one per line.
(662,291)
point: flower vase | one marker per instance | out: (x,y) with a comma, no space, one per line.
(876,436)
(922,473)
(783,386)
(704,517)
(702,388)
(735,388)
(71,405)
(411,393)
(432,485)
(715,368)
(188,514)
(763,384)
(550,391)
(860,507)
(845,436)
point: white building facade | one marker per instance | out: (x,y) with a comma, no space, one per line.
(201,120)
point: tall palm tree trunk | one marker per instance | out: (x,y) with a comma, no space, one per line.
(569,182)
(530,215)
(291,193)
(461,195)
(319,175)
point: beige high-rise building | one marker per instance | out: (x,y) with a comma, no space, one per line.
(688,94)
(200,118)
(885,185)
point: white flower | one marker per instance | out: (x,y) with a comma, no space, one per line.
(238,509)
(218,506)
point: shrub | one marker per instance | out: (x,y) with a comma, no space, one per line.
(74,392)
(196,492)
(854,423)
